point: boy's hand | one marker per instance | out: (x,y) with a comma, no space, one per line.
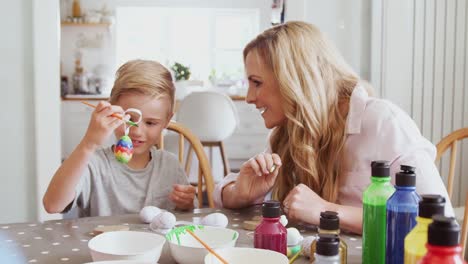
(183,196)
(102,124)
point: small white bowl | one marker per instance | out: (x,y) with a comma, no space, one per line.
(126,245)
(247,255)
(190,251)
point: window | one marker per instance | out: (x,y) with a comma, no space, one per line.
(209,40)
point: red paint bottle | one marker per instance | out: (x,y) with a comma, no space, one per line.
(443,242)
(270,233)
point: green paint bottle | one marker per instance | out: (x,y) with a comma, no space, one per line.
(375,213)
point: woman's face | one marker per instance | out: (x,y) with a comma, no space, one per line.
(264,91)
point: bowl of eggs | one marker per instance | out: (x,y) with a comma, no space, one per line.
(185,249)
(246,255)
(126,245)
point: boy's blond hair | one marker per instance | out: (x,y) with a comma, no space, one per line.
(143,77)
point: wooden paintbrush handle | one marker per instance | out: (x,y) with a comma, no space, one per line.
(207,247)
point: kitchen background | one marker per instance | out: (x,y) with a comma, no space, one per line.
(413,52)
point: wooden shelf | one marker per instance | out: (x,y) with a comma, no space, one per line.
(65,23)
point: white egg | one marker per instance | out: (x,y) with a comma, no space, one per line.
(148,213)
(164,220)
(294,237)
(305,245)
(215,219)
(283,220)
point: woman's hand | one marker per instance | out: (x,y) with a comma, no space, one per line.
(183,196)
(256,177)
(303,204)
(102,124)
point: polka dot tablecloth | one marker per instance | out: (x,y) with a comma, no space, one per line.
(66,241)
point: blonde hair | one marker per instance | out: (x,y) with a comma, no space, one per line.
(316,84)
(143,77)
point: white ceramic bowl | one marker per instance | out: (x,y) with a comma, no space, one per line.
(247,255)
(190,251)
(126,245)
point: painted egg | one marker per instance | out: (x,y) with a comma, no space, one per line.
(215,219)
(164,220)
(283,220)
(123,150)
(294,237)
(305,245)
(148,213)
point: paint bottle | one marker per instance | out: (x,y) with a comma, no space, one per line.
(415,241)
(443,244)
(375,213)
(327,251)
(270,233)
(330,224)
(402,210)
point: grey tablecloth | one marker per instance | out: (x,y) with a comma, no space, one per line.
(66,241)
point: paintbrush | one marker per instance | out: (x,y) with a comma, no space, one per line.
(207,247)
(114,115)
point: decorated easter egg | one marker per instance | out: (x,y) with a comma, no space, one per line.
(148,213)
(215,219)
(294,237)
(305,245)
(164,220)
(283,220)
(123,150)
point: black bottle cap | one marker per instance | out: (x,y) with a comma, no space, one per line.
(443,231)
(328,245)
(380,168)
(406,177)
(271,209)
(329,220)
(431,204)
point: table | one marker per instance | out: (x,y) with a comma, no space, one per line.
(66,241)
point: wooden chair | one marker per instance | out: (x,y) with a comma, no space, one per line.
(205,177)
(450,142)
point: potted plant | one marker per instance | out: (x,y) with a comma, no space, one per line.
(181,72)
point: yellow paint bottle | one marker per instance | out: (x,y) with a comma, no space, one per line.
(415,241)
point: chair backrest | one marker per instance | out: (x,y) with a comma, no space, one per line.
(211,115)
(450,142)
(204,169)
(184,88)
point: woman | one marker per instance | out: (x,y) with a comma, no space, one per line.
(326,130)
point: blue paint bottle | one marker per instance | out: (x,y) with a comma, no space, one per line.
(402,209)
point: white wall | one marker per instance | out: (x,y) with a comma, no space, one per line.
(17,186)
(46,92)
(27,111)
(345,22)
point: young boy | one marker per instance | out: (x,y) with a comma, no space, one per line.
(94,181)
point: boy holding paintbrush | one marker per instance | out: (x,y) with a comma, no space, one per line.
(94,181)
